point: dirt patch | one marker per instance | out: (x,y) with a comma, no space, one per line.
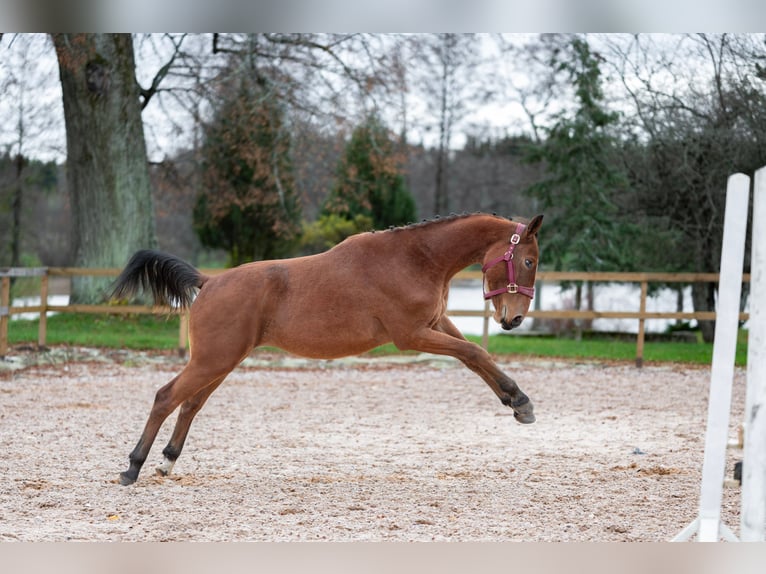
(399,449)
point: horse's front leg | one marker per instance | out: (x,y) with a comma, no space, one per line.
(449,341)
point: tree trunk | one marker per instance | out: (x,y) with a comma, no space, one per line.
(440,193)
(18,193)
(578,305)
(679,302)
(703,298)
(590,298)
(107,172)
(441,199)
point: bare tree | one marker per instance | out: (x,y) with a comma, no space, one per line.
(697,114)
(445,66)
(539,89)
(330,78)
(28,112)
(325,83)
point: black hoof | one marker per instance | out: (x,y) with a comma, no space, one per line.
(523,411)
(126,480)
(524,418)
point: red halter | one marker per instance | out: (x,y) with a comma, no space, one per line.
(512,286)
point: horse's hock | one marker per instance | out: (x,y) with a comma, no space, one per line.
(360,450)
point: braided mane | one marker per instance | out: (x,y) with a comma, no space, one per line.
(436,220)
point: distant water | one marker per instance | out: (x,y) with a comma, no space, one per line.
(35,301)
(607,297)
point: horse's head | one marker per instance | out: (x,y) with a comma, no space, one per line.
(509,270)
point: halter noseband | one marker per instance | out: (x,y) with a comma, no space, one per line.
(512,286)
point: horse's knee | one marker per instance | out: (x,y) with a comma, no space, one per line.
(474,357)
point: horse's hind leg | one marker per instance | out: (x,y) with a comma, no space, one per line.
(191,381)
(164,404)
(189,409)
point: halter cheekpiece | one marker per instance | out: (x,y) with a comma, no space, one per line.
(512,286)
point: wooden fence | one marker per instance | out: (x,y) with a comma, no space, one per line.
(642,315)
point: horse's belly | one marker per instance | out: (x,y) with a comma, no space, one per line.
(323,347)
(327,340)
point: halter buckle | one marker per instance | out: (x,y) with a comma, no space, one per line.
(513,288)
(515,238)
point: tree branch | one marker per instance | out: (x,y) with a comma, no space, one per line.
(146,94)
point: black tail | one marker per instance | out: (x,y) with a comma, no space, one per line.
(172,281)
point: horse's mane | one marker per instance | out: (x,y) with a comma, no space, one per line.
(438,220)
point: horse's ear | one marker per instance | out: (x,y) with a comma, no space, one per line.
(533,226)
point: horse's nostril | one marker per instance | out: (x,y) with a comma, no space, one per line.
(516,321)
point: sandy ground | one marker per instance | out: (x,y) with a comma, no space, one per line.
(290,450)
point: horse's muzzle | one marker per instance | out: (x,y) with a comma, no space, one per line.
(515,322)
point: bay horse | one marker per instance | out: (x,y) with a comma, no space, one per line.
(370,289)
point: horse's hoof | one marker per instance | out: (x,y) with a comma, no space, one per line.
(523,411)
(126,480)
(164,468)
(524,418)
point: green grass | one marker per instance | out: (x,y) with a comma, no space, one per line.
(603,349)
(609,349)
(152,332)
(113,331)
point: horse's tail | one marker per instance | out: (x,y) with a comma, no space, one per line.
(172,281)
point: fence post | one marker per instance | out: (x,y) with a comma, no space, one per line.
(42,330)
(5,309)
(485,327)
(641,326)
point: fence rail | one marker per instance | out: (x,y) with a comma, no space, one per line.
(642,315)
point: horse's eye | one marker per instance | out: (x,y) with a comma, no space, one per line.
(528,263)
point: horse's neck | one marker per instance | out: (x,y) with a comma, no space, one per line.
(463,242)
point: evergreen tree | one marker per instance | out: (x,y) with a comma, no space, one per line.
(584,227)
(249,205)
(369,180)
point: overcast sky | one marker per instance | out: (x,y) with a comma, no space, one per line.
(29,85)
(31,90)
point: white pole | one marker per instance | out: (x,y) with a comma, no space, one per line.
(724,351)
(753,515)
(708,525)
